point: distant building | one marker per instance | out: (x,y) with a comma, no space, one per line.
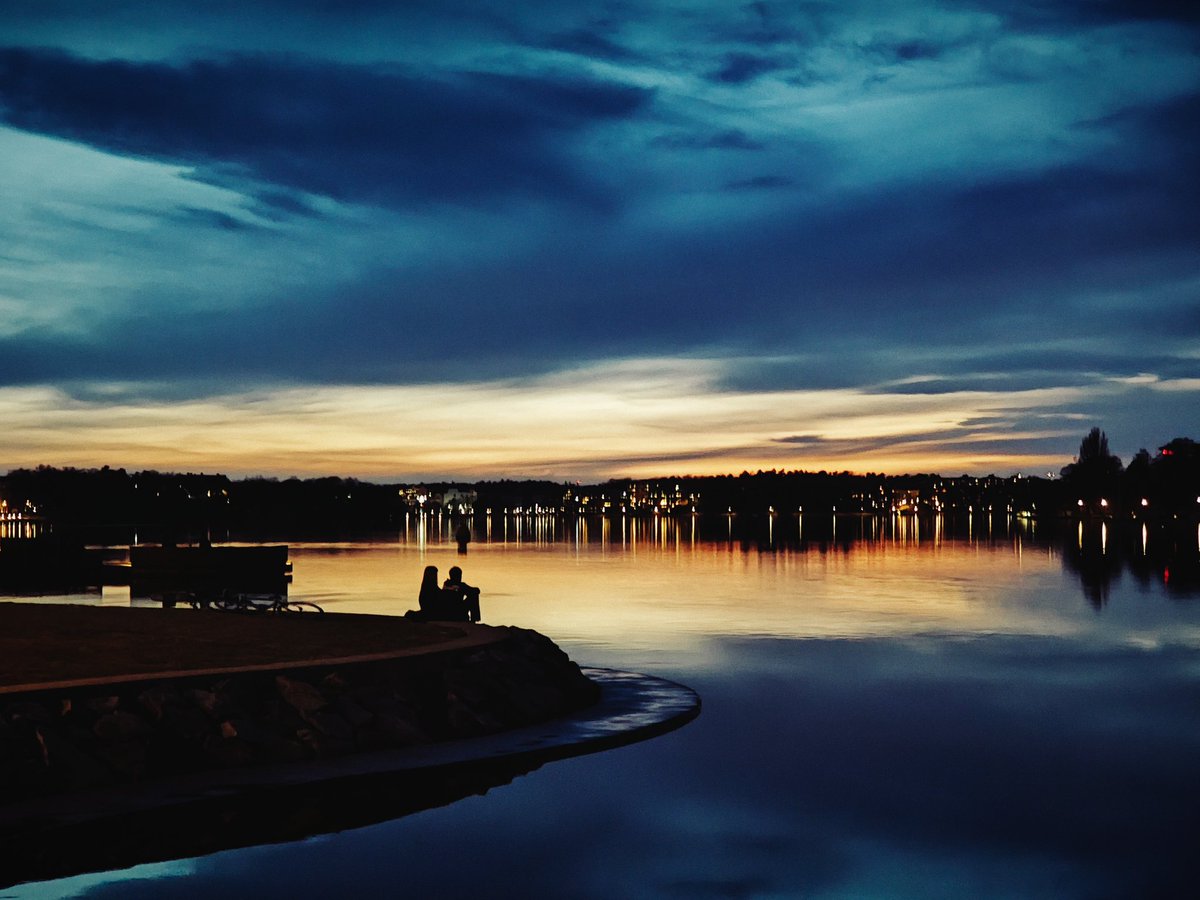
(459,500)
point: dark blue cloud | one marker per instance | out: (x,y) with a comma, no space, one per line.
(904,51)
(371,134)
(729,139)
(739,68)
(592,43)
(1061,13)
(213,219)
(760,182)
(769,25)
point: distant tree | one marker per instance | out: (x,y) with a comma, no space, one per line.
(1094,447)
(1094,476)
(1136,483)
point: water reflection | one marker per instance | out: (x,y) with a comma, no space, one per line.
(775,529)
(1160,555)
(997,767)
(1098,552)
(971,706)
(12,527)
(77,840)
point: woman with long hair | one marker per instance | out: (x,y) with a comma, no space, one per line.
(430,598)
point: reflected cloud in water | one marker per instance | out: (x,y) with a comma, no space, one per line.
(988,766)
(79,838)
(919,711)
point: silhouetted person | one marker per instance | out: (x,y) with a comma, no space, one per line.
(462,534)
(461,594)
(430,597)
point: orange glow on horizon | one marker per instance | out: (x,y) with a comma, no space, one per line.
(630,419)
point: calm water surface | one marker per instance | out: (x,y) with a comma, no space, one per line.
(896,717)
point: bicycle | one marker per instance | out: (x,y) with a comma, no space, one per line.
(229,601)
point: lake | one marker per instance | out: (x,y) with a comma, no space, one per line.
(897,709)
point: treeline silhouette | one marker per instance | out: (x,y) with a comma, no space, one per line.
(1167,483)
(183,507)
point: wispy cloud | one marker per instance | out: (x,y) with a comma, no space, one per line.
(589,423)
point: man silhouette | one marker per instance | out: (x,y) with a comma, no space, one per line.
(469,596)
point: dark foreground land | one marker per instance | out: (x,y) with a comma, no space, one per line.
(42,642)
(92,697)
(132,735)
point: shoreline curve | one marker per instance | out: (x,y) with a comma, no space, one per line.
(204,812)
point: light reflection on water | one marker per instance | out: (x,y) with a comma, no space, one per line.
(901,717)
(656,593)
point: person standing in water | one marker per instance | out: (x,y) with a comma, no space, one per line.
(462,536)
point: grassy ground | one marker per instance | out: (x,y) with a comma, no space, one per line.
(51,642)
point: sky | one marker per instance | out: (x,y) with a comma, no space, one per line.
(576,240)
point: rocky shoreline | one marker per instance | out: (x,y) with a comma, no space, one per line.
(71,738)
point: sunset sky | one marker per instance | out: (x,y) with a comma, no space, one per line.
(587,240)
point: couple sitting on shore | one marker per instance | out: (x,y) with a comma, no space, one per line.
(454,601)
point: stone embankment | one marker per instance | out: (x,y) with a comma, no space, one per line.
(81,737)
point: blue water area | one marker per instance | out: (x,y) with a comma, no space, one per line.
(885,719)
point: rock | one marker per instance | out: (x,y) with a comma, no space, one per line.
(71,766)
(352,712)
(537,702)
(335,681)
(120,726)
(331,725)
(188,723)
(24,768)
(371,696)
(399,731)
(282,751)
(266,744)
(205,700)
(29,711)
(465,688)
(169,753)
(228,752)
(324,745)
(300,695)
(156,700)
(234,695)
(464,721)
(126,758)
(379,700)
(103,704)
(280,717)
